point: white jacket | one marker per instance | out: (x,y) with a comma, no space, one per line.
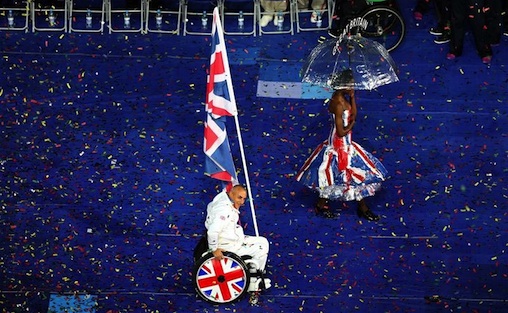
(223,230)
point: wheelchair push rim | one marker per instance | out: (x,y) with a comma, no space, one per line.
(385,25)
(221,281)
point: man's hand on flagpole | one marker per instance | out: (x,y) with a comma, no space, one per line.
(218,254)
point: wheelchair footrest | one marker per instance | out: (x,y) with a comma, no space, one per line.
(259,284)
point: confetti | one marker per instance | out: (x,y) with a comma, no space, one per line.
(104,191)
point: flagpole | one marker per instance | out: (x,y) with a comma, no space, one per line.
(218,25)
(247,182)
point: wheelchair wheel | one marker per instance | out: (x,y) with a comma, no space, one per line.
(223,281)
(385,25)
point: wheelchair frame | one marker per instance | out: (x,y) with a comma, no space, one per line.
(384,22)
(222,281)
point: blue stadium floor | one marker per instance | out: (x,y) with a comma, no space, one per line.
(103,189)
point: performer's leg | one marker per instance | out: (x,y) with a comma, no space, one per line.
(365,212)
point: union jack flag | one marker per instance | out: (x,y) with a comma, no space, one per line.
(220,102)
(221,281)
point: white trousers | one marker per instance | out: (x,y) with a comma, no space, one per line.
(316,4)
(272,6)
(255,246)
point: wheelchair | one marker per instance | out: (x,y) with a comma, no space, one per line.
(384,22)
(227,280)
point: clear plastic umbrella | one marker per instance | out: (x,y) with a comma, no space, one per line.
(331,63)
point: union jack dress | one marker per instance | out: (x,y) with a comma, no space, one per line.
(340,169)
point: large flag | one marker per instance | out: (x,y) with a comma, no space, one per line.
(220,103)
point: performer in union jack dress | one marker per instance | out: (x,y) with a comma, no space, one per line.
(339,168)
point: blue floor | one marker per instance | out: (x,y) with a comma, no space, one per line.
(103,189)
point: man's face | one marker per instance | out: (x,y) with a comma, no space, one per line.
(238,197)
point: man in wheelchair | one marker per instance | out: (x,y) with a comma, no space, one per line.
(224,233)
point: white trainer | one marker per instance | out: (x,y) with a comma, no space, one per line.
(254,284)
(314,17)
(268,283)
(267,18)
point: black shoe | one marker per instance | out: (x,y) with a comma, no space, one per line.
(494,42)
(368,215)
(442,39)
(436,31)
(454,53)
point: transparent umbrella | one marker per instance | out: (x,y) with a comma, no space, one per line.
(368,61)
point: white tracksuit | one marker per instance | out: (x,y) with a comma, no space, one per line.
(224,231)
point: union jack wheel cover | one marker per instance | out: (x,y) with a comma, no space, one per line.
(221,281)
